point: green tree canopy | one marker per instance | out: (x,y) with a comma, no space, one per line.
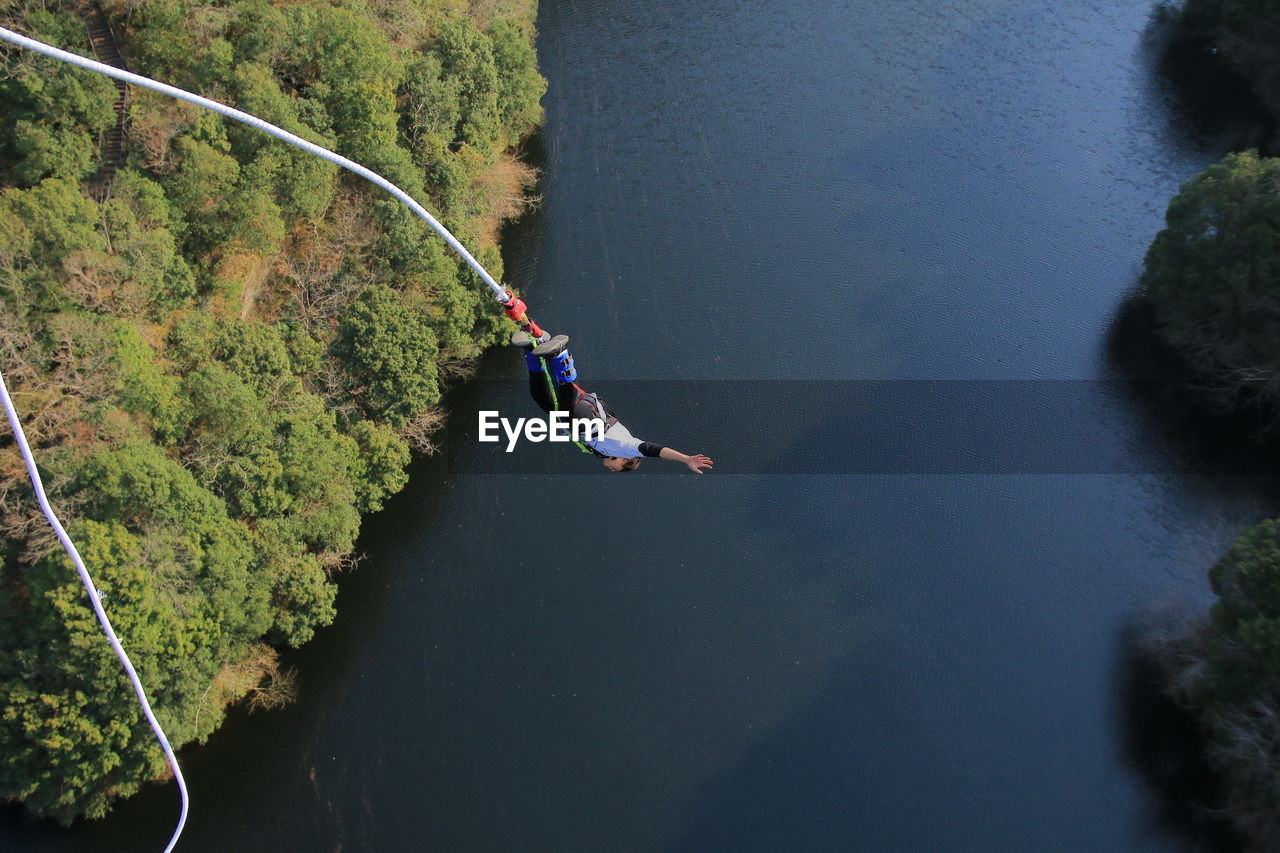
(223,362)
(393,350)
(53,112)
(1213,273)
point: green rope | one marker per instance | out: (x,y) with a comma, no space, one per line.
(555,402)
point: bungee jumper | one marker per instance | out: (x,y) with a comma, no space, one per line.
(555,375)
(553,384)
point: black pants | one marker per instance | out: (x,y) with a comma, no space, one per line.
(540,385)
(540,388)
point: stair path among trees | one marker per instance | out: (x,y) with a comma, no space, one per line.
(111,149)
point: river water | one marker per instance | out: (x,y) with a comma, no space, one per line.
(747,205)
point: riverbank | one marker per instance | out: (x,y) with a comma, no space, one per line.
(1208,281)
(225,358)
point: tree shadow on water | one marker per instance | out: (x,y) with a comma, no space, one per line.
(1207,100)
(1165,745)
(1231,453)
(1187,421)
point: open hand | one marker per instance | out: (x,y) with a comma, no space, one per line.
(697,462)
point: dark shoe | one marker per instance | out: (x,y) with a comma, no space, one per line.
(552,348)
(522,340)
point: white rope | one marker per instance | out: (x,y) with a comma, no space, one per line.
(96,600)
(277,132)
(11,413)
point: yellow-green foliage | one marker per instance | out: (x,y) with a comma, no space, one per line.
(1213,273)
(220,363)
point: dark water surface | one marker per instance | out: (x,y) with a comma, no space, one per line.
(750,190)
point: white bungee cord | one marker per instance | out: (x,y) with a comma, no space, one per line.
(96,601)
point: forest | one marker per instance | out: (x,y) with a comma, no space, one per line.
(225,351)
(1213,278)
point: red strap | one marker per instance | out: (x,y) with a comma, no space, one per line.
(515,308)
(518,313)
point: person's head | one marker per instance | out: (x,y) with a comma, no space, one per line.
(617,463)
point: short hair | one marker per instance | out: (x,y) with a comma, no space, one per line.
(631,464)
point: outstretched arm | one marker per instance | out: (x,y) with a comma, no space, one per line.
(694,463)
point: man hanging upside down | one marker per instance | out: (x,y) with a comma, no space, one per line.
(552,376)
